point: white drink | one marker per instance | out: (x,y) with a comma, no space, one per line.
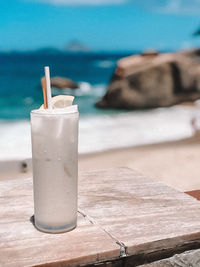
(55,168)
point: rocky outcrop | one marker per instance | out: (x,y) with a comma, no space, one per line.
(154,80)
(62,83)
(188,258)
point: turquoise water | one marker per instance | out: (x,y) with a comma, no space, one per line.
(20,92)
(20,74)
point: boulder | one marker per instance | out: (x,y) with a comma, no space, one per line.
(154,80)
(62,83)
(149,53)
(188,258)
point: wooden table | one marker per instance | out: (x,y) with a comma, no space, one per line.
(124,218)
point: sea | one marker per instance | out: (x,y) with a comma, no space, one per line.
(100,129)
(20,75)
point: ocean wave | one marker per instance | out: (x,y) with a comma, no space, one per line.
(136,128)
(103,132)
(84,89)
(105,63)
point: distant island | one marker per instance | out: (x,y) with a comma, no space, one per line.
(48,50)
(73,46)
(77,46)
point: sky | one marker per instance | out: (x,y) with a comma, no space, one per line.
(99,24)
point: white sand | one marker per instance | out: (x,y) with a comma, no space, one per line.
(120,140)
(174,163)
(101,133)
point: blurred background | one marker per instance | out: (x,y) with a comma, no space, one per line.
(89,42)
(82,40)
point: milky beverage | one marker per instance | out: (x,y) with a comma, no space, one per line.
(55,168)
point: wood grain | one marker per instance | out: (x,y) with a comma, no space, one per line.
(22,245)
(122,213)
(144,215)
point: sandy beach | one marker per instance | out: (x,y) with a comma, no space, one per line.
(174,163)
(161,143)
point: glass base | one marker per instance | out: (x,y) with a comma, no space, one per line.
(55,229)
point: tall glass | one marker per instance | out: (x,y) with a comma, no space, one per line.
(55,168)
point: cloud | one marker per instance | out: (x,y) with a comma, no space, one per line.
(82,2)
(189,7)
(181,7)
(159,6)
(174,6)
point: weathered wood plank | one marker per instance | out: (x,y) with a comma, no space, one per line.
(145,215)
(122,212)
(22,245)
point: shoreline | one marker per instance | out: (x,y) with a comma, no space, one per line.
(162,143)
(105,132)
(175,163)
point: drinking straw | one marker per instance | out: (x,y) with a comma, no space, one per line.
(43,83)
(48,87)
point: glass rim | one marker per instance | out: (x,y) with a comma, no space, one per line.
(59,111)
